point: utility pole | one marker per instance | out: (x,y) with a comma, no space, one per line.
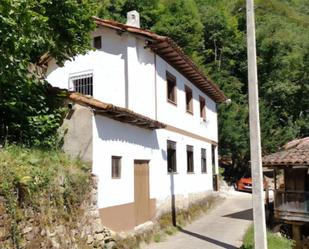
(255,137)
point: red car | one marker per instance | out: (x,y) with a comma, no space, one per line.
(245,184)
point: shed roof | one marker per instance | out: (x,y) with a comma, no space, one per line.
(173,54)
(115,112)
(294,153)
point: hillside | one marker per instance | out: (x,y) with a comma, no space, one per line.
(47,201)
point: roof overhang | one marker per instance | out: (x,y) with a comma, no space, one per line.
(294,154)
(115,112)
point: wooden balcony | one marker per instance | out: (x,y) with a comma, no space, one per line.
(292,205)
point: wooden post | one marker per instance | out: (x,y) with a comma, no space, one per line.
(297,236)
(255,139)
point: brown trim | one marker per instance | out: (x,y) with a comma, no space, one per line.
(171,78)
(171,102)
(202,102)
(189,134)
(122,217)
(189,102)
(116,167)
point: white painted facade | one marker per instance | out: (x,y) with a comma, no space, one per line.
(127,74)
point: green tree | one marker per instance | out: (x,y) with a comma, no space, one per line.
(29,29)
(117,10)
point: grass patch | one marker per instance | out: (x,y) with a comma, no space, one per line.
(274,241)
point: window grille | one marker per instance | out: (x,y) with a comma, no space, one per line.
(82,84)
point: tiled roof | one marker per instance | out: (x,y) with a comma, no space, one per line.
(166,48)
(294,153)
(115,112)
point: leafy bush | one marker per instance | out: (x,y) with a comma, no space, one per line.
(274,241)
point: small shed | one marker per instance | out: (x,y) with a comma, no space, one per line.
(291,184)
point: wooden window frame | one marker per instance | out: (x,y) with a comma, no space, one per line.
(97,42)
(116,174)
(189,102)
(171,79)
(190,159)
(202,108)
(213,158)
(203,161)
(171,165)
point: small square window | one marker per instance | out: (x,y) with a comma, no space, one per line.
(203,161)
(97,42)
(171,157)
(202,108)
(82,84)
(190,160)
(116,166)
(171,87)
(189,100)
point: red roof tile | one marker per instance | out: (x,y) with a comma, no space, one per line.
(295,152)
(115,112)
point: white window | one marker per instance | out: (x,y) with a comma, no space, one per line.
(82,83)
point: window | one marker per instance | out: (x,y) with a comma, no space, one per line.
(202,108)
(116,166)
(213,158)
(203,161)
(171,157)
(82,84)
(171,87)
(97,42)
(189,102)
(190,161)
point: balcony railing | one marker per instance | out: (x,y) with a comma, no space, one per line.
(292,205)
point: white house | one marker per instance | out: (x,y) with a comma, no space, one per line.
(146,117)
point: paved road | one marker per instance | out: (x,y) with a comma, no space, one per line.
(223,227)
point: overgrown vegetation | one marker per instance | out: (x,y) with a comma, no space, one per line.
(274,241)
(46,184)
(30,29)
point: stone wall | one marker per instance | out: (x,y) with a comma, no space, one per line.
(33,231)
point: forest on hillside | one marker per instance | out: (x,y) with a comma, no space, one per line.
(211,32)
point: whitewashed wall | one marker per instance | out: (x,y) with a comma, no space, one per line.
(113,138)
(123,67)
(180,117)
(124,74)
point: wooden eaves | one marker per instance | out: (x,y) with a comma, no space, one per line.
(115,112)
(166,48)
